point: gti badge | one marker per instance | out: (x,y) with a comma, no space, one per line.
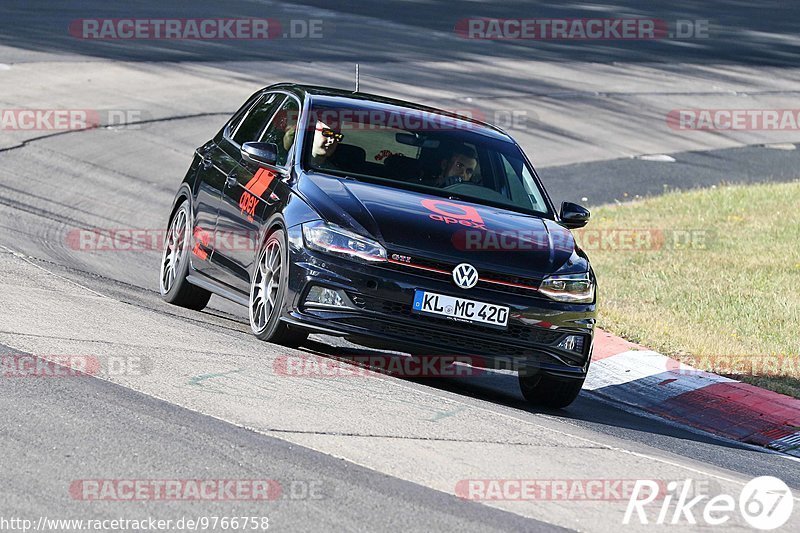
(465,276)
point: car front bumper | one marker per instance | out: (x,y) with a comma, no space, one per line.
(378,307)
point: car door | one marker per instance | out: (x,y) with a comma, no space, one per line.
(249,197)
(213,167)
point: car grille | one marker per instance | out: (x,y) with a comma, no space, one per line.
(420,265)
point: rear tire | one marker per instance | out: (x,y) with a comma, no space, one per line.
(175,264)
(540,389)
(268,287)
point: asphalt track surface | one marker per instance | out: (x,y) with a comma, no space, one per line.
(384,453)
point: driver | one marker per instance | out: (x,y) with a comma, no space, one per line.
(459,167)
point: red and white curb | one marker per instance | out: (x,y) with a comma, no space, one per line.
(635,376)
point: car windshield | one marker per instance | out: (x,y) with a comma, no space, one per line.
(407,148)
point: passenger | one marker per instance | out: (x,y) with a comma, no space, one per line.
(288,138)
(289,128)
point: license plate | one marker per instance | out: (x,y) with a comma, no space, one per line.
(460,309)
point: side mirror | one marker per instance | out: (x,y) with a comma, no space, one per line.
(261,154)
(573,216)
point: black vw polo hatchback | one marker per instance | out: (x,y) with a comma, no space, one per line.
(350,214)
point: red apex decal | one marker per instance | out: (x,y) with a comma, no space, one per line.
(452,213)
(260,181)
(255,188)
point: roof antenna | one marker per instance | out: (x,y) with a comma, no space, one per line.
(356,77)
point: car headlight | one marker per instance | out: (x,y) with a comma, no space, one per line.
(572,288)
(334,240)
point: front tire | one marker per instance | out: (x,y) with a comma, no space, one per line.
(543,390)
(268,287)
(175,264)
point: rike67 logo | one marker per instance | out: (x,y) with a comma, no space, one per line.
(765,503)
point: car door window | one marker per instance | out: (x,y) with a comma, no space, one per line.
(521,184)
(237,117)
(255,120)
(282,128)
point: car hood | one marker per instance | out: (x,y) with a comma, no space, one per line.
(421,226)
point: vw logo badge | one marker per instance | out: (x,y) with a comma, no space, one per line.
(465,276)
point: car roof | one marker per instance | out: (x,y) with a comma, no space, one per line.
(317,90)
